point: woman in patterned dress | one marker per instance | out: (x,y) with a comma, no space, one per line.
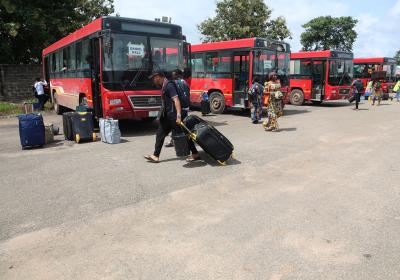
(274,97)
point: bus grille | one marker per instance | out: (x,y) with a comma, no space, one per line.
(344,91)
(145,101)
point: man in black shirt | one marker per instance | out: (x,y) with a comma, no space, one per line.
(170,114)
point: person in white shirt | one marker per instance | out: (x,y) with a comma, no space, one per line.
(39,92)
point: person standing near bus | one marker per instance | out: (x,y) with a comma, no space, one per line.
(272,89)
(396,89)
(170,116)
(255,96)
(357,87)
(39,92)
(377,88)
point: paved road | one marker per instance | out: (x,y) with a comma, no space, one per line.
(318,200)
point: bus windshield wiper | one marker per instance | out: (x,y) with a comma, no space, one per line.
(341,79)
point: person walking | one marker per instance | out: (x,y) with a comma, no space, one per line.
(170,116)
(255,98)
(396,89)
(39,92)
(183,87)
(273,93)
(357,87)
(377,88)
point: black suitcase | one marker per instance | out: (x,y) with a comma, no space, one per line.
(351,99)
(67,126)
(82,127)
(181,144)
(205,107)
(211,141)
(191,120)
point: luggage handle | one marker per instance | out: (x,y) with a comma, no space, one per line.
(190,134)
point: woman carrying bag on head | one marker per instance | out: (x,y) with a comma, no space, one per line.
(273,101)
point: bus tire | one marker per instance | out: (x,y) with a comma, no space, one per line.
(217,102)
(57,107)
(296,97)
(315,102)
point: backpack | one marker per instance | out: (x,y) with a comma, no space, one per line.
(359,85)
(183,93)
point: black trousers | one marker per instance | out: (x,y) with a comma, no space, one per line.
(166,126)
(42,100)
(357,97)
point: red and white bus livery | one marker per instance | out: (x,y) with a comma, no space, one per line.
(225,69)
(364,69)
(319,76)
(105,65)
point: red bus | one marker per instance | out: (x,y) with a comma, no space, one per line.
(105,65)
(364,69)
(319,76)
(225,69)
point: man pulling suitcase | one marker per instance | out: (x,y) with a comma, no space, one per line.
(169,117)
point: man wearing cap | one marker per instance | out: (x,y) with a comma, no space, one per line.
(170,113)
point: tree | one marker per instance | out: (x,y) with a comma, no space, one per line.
(26,27)
(236,19)
(326,32)
(397,57)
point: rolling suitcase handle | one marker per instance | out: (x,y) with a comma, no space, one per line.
(190,134)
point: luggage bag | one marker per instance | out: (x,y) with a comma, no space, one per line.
(211,141)
(31,130)
(181,144)
(82,127)
(109,131)
(67,125)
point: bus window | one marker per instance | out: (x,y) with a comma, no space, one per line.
(65,56)
(71,65)
(82,54)
(197,65)
(53,63)
(166,54)
(298,67)
(58,61)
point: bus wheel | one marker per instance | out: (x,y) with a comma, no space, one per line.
(217,102)
(296,97)
(57,107)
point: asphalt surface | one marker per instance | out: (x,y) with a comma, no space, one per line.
(317,200)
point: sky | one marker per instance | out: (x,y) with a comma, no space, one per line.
(378,21)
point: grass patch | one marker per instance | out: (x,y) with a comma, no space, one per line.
(7,108)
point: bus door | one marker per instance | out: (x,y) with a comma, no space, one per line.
(318,80)
(240,78)
(95,75)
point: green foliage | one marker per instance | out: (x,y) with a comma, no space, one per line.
(236,19)
(397,57)
(324,33)
(26,27)
(9,109)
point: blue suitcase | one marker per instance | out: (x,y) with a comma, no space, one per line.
(31,130)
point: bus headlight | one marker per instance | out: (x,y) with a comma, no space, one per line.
(334,91)
(115,101)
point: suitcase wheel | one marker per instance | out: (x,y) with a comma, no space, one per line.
(94,137)
(223,163)
(77,138)
(232,156)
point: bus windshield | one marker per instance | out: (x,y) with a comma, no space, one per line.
(267,61)
(131,59)
(340,72)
